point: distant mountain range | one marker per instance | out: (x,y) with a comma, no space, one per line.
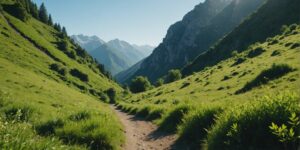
(199,30)
(116,55)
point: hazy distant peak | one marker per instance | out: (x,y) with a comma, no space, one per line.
(84,39)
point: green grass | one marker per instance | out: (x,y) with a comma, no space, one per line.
(44,106)
(247,125)
(211,91)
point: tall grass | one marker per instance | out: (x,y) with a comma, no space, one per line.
(247,126)
(193,130)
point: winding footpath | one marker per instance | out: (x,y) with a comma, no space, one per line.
(143,135)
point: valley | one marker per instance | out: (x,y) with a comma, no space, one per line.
(227,76)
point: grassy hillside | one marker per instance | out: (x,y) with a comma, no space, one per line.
(50,96)
(265,22)
(228,99)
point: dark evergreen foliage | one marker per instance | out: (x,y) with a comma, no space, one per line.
(50,21)
(112,94)
(59,69)
(78,74)
(64,31)
(43,14)
(275,72)
(17,10)
(140,84)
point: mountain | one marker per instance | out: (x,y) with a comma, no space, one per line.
(240,93)
(89,43)
(116,55)
(256,29)
(199,29)
(52,93)
(123,76)
(111,58)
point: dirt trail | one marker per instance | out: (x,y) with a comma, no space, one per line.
(143,135)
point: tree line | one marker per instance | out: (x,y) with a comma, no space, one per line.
(141,83)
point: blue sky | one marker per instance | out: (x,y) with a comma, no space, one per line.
(136,21)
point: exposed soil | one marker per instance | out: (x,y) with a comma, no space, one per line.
(143,135)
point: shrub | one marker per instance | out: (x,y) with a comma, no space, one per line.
(256,52)
(140,84)
(18,113)
(63,45)
(247,126)
(83,115)
(185,84)
(275,53)
(295,45)
(20,136)
(59,69)
(155,113)
(275,72)
(238,61)
(226,78)
(288,133)
(94,133)
(49,127)
(192,131)
(173,75)
(112,94)
(78,74)
(174,118)
(17,10)
(159,82)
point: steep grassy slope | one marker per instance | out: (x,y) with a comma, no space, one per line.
(199,29)
(266,22)
(50,98)
(198,98)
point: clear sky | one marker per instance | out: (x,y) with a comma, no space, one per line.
(135,21)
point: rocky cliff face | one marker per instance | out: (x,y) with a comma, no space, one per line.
(199,30)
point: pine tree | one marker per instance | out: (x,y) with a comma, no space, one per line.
(43,14)
(64,31)
(58,27)
(50,21)
(18,11)
(34,10)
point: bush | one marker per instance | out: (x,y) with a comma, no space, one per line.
(256,52)
(192,131)
(174,118)
(49,127)
(247,126)
(275,53)
(275,72)
(94,133)
(159,82)
(112,94)
(238,61)
(173,75)
(84,115)
(78,74)
(17,10)
(140,84)
(18,113)
(59,69)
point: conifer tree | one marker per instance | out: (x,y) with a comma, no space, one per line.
(50,21)
(43,14)
(64,31)
(34,10)
(18,11)
(58,27)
